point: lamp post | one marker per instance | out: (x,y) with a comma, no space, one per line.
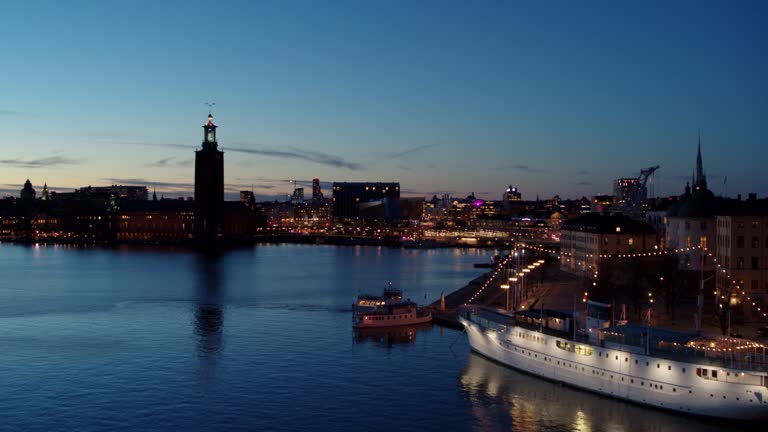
(521,291)
(506,287)
(513,282)
(525,283)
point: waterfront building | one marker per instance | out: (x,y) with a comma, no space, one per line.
(317,193)
(585,238)
(312,214)
(347,197)
(154,221)
(209,184)
(742,248)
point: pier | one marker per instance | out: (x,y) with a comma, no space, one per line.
(550,286)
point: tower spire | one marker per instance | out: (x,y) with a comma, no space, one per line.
(700,181)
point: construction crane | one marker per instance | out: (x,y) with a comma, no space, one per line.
(633,204)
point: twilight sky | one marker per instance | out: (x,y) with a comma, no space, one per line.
(443,96)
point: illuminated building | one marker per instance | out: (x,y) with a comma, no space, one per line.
(601,203)
(584,238)
(347,197)
(742,247)
(622,187)
(209,184)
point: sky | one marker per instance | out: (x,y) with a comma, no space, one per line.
(442,96)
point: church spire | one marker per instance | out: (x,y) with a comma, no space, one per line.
(700,180)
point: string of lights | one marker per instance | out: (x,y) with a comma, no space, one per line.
(736,295)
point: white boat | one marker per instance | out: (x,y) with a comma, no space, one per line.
(717,377)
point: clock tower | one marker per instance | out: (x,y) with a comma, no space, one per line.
(209,185)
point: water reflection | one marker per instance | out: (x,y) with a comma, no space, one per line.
(389,336)
(209,317)
(505,398)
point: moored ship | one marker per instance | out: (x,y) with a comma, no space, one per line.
(393,314)
(370,302)
(718,377)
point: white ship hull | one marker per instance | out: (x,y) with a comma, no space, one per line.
(647,380)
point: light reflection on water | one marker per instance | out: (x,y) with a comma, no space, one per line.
(130,339)
(505,396)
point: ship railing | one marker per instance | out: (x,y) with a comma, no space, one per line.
(751,361)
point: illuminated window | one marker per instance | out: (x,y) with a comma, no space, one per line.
(687,241)
(703,242)
(631,241)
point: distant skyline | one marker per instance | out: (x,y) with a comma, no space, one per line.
(442,96)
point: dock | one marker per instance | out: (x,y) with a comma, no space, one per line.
(552,287)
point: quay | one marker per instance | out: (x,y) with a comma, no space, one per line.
(549,285)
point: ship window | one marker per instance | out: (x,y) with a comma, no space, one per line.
(642,383)
(631,381)
(635,361)
(714,374)
(669,367)
(674,390)
(683,370)
(658,365)
(626,359)
(647,364)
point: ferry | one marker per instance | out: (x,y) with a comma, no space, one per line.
(393,314)
(717,377)
(370,303)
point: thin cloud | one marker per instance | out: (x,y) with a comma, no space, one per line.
(311,156)
(525,168)
(583,172)
(292,153)
(145,182)
(161,163)
(7,112)
(406,152)
(50,161)
(584,183)
(427,193)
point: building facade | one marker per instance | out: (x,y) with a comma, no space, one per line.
(347,197)
(584,239)
(742,249)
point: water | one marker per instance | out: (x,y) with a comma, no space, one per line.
(134,339)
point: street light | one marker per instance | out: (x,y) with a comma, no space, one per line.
(525,283)
(506,287)
(513,280)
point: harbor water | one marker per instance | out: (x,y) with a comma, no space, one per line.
(132,339)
